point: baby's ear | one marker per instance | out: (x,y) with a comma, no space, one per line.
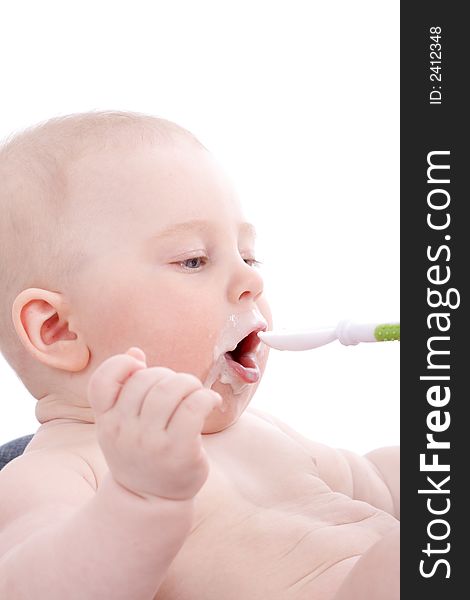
(42,321)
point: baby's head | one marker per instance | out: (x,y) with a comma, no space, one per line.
(119,230)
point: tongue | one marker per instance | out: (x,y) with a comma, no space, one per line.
(245,366)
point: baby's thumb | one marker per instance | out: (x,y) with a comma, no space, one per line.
(137,353)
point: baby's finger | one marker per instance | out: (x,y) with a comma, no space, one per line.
(137,387)
(107,381)
(137,353)
(162,400)
(188,419)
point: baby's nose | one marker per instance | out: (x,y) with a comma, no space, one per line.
(250,285)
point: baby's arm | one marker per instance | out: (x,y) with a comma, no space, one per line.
(373,478)
(59,539)
(387,463)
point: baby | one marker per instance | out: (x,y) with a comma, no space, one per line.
(129,308)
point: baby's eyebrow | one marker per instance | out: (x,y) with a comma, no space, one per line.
(199,225)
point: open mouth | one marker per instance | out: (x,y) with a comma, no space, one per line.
(245,347)
(243,358)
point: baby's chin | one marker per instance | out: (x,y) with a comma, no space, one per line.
(236,391)
(231,410)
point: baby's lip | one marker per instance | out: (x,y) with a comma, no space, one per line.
(245,332)
(238,327)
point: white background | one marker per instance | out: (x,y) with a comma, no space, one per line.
(299,101)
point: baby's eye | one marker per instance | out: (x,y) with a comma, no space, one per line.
(193,264)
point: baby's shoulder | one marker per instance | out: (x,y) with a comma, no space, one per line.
(37,488)
(42,473)
(67,446)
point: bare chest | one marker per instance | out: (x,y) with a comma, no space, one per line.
(267,526)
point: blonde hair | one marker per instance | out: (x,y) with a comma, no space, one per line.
(35,250)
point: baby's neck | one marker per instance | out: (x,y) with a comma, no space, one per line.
(64,408)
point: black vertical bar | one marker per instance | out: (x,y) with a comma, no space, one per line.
(434,260)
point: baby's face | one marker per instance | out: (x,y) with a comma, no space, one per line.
(183,291)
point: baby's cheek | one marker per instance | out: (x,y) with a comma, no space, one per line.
(181,334)
(113,326)
(175,327)
(191,344)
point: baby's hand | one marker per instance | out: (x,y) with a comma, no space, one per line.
(149,422)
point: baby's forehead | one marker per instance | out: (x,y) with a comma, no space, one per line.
(146,174)
(131,159)
(132,195)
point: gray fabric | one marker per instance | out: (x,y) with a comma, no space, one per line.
(12,449)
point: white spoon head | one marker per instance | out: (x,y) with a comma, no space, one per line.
(297,340)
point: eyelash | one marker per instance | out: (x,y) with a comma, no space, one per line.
(255,263)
